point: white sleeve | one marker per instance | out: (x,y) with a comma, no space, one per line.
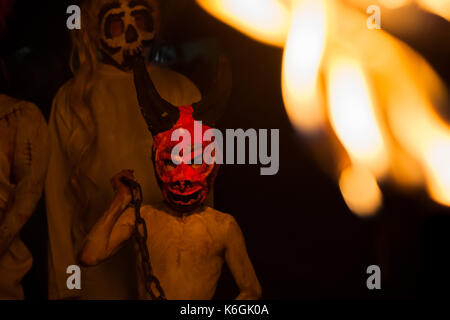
(59,200)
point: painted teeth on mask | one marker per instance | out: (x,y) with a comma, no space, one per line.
(185,199)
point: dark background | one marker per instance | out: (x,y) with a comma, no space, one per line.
(302,239)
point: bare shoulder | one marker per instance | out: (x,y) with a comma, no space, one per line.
(226,227)
(152,212)
(223,221)
(148,210)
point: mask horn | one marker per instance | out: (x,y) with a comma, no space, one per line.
(211,108)
(159,114)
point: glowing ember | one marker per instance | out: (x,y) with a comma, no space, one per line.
(360,191)
(379,95)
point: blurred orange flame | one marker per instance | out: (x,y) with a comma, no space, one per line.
(352,115)
(360,191)
(264,20)
(301,66)
(379,95)
(437,7)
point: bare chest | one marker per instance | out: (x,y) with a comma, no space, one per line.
(185,242)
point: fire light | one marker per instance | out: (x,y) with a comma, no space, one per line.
(378,96)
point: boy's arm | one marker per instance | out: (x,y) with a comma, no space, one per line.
(114,227)
(239,263)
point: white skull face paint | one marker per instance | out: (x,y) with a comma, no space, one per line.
(127,27)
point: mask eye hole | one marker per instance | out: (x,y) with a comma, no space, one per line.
(196,166)
(198,159)
(169,163)
(144,20)
(114,26)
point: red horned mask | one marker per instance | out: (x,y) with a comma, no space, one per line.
(185,181)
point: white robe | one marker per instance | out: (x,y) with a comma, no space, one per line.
(123,142)
(19,200)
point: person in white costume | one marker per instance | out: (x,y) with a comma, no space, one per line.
(24,153)
(96,131)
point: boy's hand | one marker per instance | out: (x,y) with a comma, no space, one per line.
(121,190)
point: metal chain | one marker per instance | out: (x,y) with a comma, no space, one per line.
(141,239)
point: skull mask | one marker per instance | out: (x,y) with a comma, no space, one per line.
(185,186)
(127,27)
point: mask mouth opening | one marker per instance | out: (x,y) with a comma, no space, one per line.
(185,199)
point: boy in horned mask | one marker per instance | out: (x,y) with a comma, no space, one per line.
(186,242)
(96,130)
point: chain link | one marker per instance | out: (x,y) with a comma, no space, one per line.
(151,281)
